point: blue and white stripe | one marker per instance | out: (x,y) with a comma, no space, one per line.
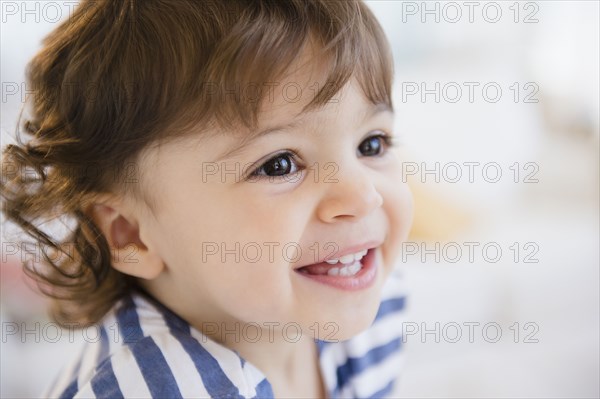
(145,350)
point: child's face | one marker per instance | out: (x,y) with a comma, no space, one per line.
(230,245)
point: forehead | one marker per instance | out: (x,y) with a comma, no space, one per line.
(288,95)
(346,109)
(286,99)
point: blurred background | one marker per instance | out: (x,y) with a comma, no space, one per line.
(498,109)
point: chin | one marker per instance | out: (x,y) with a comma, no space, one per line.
(350,333)
(346,324)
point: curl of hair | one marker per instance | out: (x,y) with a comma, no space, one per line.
(74,271)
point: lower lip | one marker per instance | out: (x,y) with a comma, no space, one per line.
(361,280)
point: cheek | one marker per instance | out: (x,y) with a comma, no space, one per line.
(402,209)
(252,293)
(234,269)
(246,291)
(398,206)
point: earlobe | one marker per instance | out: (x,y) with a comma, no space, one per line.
(129,254)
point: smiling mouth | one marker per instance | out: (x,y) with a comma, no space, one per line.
(344,274)
(347,269)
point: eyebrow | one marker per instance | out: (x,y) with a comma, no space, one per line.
(247,139)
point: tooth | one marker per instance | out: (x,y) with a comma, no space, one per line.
(332,261)
(364,252)
(334,271)
(358,256)
(344,271)
(355,268)
(347,258)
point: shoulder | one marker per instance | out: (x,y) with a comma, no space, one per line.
(147,351)
(368,364)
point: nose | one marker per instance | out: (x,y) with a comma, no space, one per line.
(351,195)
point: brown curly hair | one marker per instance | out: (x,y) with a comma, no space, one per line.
(119,75)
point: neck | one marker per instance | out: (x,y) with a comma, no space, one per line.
(287,358)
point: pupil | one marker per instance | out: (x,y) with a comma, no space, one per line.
(371,146)
(279,166)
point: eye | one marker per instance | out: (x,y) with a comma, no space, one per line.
(376,144)
(280,165)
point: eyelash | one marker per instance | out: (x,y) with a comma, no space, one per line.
(388,142)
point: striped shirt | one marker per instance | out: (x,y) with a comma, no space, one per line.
(144,350)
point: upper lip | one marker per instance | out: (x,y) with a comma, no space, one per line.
(352,249)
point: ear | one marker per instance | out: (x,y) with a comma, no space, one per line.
(130,255)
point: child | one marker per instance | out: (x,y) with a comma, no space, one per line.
(237,207)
